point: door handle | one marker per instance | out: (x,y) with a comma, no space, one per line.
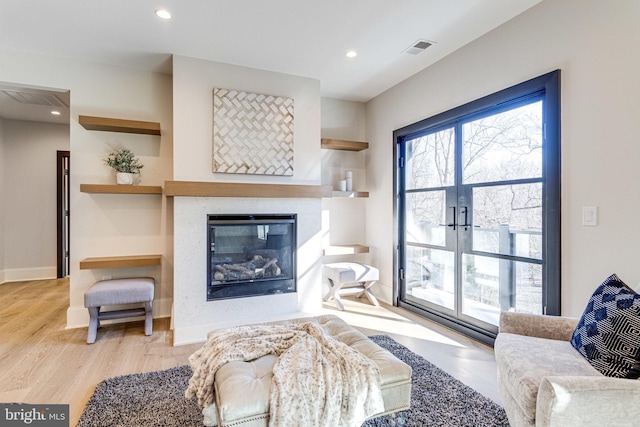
(465,211)
(454,219)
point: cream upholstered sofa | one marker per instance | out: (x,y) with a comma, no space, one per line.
(242,389)
(544,381)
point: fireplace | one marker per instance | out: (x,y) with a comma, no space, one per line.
(250,255)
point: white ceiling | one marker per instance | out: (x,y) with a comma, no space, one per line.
(300,37)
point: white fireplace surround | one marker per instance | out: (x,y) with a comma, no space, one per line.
(193,316)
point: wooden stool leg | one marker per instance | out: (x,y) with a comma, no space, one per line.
(93,324)
(148,319)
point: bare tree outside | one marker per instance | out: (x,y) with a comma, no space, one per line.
(505,149)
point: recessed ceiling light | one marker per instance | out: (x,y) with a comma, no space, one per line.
(352,54)
(163,13)
(55,113)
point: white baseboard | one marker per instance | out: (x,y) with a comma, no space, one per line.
(78,316)
(23,274)
(383,293)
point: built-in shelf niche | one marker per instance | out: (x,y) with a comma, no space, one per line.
(345,145)
(123,126)
(119,125)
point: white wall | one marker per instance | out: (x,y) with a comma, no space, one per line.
(194,81)
(30,221)
(595,45)
(107,224)
(343,119)
(193,84)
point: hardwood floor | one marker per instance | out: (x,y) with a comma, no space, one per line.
(467,360)
(42,362)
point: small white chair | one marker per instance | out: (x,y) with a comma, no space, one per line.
(350,278)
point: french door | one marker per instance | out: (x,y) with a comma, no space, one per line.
(478,211)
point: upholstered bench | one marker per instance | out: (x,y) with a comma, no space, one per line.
(242,389)
(116,292)
(349,278)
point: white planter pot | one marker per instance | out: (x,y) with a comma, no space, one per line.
(123,178)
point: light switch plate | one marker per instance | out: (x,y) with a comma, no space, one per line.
(590,216)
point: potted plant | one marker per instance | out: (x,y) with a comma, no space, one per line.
(125,163)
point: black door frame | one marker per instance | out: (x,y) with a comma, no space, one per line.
(547,85)
(63,173)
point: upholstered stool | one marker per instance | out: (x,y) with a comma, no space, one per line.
(350,278)
(116,292)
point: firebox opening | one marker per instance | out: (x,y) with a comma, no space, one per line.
(250,255)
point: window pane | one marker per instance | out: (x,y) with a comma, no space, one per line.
(425,218)
(430,275)
(503,146)
(430,160)
(491,285)
(507,220)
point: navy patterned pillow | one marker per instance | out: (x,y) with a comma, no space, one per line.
(608,333)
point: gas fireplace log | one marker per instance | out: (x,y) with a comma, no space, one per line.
(273,267)
(238,267)
(275,270)
(270,262)
(220,273)
(258,266)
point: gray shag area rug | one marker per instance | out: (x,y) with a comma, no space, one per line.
(157,399)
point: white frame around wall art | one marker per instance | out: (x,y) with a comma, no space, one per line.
(252,133)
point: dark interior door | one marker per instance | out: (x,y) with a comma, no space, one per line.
(63,211)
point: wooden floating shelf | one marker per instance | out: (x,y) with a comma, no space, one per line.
(350,194)
(119,125)
(341,144)
(346,250)
(120,189)
(120,261)
(230,189)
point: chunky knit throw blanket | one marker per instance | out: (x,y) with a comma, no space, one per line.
(317,380)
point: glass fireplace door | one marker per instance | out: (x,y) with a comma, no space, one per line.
(250,255)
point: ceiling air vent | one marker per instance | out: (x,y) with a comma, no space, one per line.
(36,98)
(417,47)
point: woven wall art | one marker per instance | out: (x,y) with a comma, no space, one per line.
(252,133)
